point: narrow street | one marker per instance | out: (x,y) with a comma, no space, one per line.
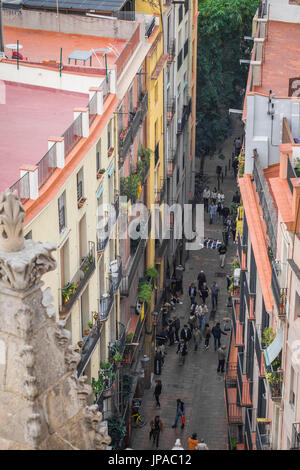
(197,382)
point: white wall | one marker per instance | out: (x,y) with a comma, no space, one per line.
(71,24)
(48,78)
(259,125)
(281,10)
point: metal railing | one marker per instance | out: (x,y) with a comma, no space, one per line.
(89,344)
(262,436)
(144,105)
(125,141)
(258,348)
(102,237)
(61,218)
(186,48)
(248,431)
(171,106)
(171,51)
(72,289)
(116,276)
(233,411)
(46,166)
(266,202)
(72,135)
(185,116)
(275,381)
(290,174)
(22,187)
(105,303)
(92,107)
(239,380)
(295,436)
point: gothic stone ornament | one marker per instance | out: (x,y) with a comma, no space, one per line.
(71,358)
(27,354)
(33,425)
(62,335)
(83,390)
(93,417)
(31,388)
(24,322)
(101,441)
(12,216)
(24,269)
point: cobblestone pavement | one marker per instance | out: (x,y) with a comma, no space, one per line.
(197,382)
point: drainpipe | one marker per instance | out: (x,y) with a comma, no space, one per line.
(1,30)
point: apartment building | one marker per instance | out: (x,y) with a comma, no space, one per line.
(262,380)
(71,196)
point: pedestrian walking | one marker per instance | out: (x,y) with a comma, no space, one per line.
(180,413)
(177,328)
(212,210)
(235,166)
(192,292)
(203,311)
(225,235)
(214,290)
(171,333)
(181,351)
(201,445)
(197,336)
(229,280)
(193,319)
(156,426)
(236,198)
(214,195)
(220,197)
(233,229)
(217,332)
(222,252)
(201,279)
(221,358)
(219,212)
(177,445)
(185,333)
(192,442)
(206,197)
(206,335)
(157,392)
(204,292)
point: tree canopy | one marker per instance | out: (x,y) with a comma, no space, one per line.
(222,25)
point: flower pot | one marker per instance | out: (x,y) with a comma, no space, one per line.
(80,344)
(95,316)
(86,332)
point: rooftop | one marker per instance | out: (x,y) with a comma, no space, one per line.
(281,58)
(39,46)
(28,118)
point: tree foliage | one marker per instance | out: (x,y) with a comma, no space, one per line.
(222,25)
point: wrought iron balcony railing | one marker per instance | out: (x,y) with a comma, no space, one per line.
(71,291)
(102,237)
(105,304)
(116,273)
(171,107)
(275,381)
(295,444)
(89,344)
(248,431)
(262,436)
(171,51)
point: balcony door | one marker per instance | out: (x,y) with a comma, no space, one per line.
(84,310)
(82,238)
(64,264)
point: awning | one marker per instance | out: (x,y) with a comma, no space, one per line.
(111,170)
(99,192)
(272,351)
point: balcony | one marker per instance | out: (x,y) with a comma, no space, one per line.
(150,28)
(118,346)
(171,107)
(275,381)
(128,135)
(102,237)
(116,273)
(162,192)
(258,350)
(249,434)
(186,48)
(105,304)
(244,391)
(171,51)
(184,117)
(280,294)
(266,203)
(296,437)
(136,258)
(262,437)
(89,344)
(291,173)
(234,412)
(71,291)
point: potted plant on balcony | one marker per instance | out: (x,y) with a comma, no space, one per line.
(97,386)
(67,291)
(95,316)
(123,134)
(116,430)
(145,293)
(86,332)
(117,359)
(100,173)
(81,202)
(80,344)
(152,275)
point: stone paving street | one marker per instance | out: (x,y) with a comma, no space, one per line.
(197,382)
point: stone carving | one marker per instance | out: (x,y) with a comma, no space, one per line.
(93,417)
(47,302)
(22,270)
(28,357)
(24,322)
(101,441)
(62,335)
(33,425)
(31,388)
(72,358)
(83,390)
(12,216)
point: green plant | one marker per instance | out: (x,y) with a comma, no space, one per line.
(145,154)
(114,349)
(152,273)
(116,430)
(104,366)
(102,171)
(127,385)
(267,338)
(90,324)
(68,290)
(129,337)
(230,288)
(241,159)
(97,385)
(145,292)
(118,357)
(233,443)
(235,264)
(130,185)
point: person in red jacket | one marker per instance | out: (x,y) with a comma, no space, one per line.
(16,55)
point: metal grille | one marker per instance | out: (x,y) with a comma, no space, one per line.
(267,205)
(105,86)
(73,134)
(46,166)
(92,107)
(290,174)
(22,187)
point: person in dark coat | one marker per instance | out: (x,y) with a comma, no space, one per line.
(201,279)
(217,332)
(177,328)
(214,295)
(156,426)
(192,292)
(180,412)
(171,332)
(204,291)
(185,333)
(182,351)
(157,392)
(206,335)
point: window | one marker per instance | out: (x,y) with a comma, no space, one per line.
(186,6)
(180,14)
(79,184)
(292,387)
(297,306)
(109,140)
(61,212)
(98,156)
